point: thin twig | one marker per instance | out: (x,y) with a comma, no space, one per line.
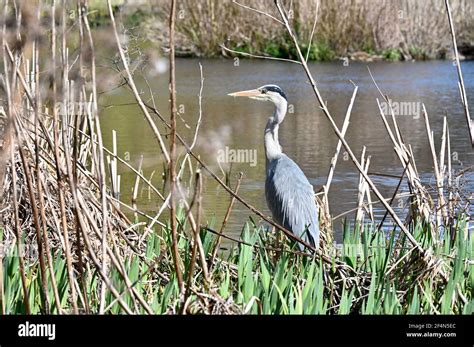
(462,88)
(312,30)
(258,56)
(171,168)
(224,222)
(258,11)
(345,126)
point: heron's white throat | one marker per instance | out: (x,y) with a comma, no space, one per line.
(272,146)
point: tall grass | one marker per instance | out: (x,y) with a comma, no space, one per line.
(254,279)
(413,29)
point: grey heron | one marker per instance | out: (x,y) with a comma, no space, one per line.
(289,195)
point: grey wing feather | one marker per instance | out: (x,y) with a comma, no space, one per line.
(290,198)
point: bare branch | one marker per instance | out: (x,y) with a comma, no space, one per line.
(258,11)
(462,88)
(258,56)
(313,29)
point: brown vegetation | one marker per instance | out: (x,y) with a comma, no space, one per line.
(413,29)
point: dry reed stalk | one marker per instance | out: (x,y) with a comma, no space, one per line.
(39,238)
(369,210)
(100,156)
(37,106)
(45,154)
(310,41)
(257,56)
(112,164)
(132,85)
(363,191)
(441,210)
(17,228)
(7,146)
(325,201)
(407,160)
(113,256)
(186,158)
(96,261)
(42,210)
(216,246)
(168,160)
(443,205)
(67,159)
(379,227)
(345,126)
(450,183)
(325,226)
(194,252)
(12,110)
(59,163)
(409,28)
(119,263)
(85,214)
(255,246)
(135,187)
(462,88)
(131,168)
(265,13)
(171,162)
(44,226)
(421,201)
(194,226)
(195,230)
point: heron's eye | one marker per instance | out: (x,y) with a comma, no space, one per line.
(264,91)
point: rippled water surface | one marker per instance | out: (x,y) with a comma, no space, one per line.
(305,135)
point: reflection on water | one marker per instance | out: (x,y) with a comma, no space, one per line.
(230,124)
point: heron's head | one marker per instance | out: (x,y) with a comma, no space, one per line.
(268,92)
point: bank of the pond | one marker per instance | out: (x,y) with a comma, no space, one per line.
(395,31)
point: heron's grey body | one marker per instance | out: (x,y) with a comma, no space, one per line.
(289,195)
(290,198)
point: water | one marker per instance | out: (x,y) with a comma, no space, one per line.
(305,135)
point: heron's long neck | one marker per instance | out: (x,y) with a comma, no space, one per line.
(272,146)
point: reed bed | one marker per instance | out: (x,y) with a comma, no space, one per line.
(70,245)
(393,30)
(384,276)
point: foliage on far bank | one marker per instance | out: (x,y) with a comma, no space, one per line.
(394,31)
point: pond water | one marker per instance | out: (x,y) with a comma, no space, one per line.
(305,135)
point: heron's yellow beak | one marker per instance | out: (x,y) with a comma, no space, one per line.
(248,93)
